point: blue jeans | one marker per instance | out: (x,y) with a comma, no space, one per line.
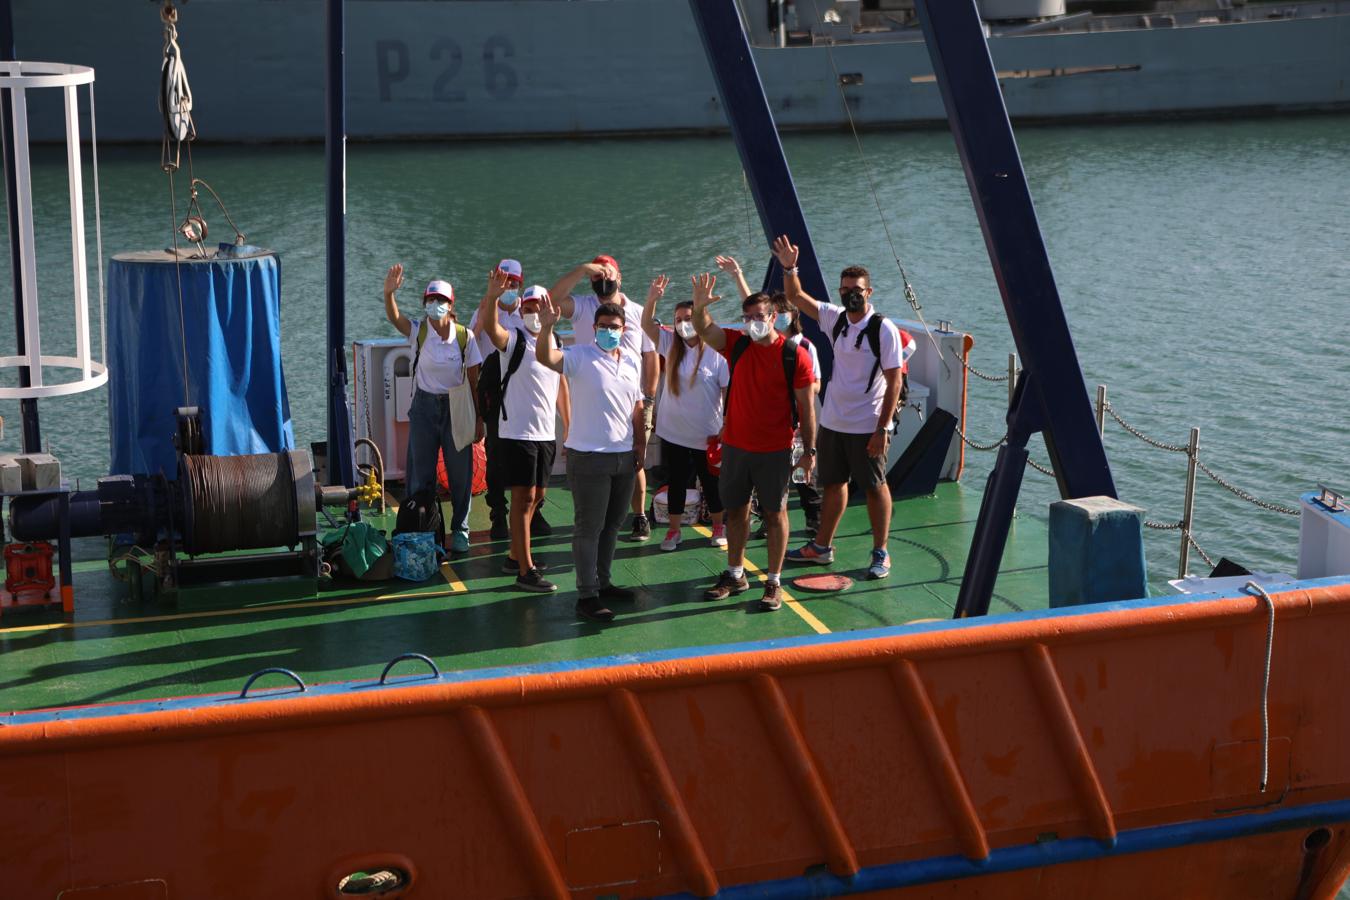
(428,433)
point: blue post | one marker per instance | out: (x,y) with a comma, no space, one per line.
(761,152)
(1055,396)
(340,463)
(28,409)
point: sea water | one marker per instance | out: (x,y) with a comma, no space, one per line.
(1204,268)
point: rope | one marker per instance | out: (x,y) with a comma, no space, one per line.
(178,274)
(1265,683)
(1243,495)
(1152,442)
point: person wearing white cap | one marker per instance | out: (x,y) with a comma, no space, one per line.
(445,356)
(525,416)
(489,399)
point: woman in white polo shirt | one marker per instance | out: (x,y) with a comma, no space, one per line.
(690,413)
(445,355)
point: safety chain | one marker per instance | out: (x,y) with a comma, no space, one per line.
(1040,468)
(1243,495)
(978,374)
(1152,442)
(982,447)
(1198,549)
(1162,526)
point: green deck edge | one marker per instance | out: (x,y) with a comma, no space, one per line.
(116,649)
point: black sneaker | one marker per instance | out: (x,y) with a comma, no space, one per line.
(539,526)
(726,586)
(500,530)
(617,594)
(591,608)
(772,600)
(533,581)
(642,529)
(512,566)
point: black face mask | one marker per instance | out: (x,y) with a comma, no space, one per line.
(604,287)
(854,301)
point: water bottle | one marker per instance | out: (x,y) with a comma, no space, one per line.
(798,474)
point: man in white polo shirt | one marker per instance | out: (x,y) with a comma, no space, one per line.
(606,446)
(525,419)
(489,388)
(606,283)
(860,404)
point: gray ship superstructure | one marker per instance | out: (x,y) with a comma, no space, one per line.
(491,68)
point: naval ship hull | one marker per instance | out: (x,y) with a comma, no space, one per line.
(495,68)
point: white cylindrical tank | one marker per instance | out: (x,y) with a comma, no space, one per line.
(1019,10)
(16,80)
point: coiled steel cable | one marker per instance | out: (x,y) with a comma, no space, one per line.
(239,502)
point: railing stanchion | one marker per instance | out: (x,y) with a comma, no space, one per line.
(1101,410)
(1012,377)
(1188,507)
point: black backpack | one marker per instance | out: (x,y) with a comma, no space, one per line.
(421,512)
(492,382)
(789,369)
(872,331)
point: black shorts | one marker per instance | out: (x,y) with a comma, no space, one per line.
(768,474)
(523,463)
(843,456)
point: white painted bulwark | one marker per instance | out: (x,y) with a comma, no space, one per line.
(1323,536)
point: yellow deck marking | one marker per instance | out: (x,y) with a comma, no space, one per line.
(455,586)
(792,603)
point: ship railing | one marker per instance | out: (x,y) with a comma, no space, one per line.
(1191,449)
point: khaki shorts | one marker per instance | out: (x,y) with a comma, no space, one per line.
(841,457)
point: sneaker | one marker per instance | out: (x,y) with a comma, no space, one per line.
(459,543)
(719,536)
(727,586)
(772,600)
(642,529)
(591,608)
(500,530)
(533,581)
(811,552)
(615,593)
(881,565)
(538,525)
(512,566)
(672,541)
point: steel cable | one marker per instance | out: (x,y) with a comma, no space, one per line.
(240,502)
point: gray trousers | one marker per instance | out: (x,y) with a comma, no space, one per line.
(602,487)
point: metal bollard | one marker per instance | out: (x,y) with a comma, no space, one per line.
(1188,506)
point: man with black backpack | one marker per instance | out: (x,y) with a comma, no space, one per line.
(771,386)
(524,415)
(490,390)
(861,402)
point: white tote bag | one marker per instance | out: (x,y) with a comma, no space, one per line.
(463,415)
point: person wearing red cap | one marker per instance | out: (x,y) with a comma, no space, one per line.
(606,283)
(445,356)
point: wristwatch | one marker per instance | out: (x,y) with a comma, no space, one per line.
(810,451)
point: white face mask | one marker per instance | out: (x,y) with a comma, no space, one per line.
(685,329)
(758,330)
(532,322)
(438,310)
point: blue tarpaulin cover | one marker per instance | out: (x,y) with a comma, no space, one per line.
(231,316)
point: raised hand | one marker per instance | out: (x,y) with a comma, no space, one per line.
(658,288)
(549,313)
(728,264)
(703,290)
(497,284)
(599,270)
(785,251)
(393,279)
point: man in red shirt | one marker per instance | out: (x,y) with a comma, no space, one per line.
(771,387)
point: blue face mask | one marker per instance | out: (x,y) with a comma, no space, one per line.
(509,299)
(783,322)
(608,339)
(438,310)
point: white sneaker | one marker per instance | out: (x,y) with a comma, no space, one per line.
(672,541)
(719,536)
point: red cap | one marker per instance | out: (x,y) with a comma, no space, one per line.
(606,260)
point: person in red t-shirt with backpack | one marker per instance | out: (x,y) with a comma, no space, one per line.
(770,389)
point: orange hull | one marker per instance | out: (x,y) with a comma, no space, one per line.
(1110,753)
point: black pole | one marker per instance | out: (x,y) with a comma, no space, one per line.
(28,409)
(340,467)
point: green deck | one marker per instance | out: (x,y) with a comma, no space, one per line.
(115,648)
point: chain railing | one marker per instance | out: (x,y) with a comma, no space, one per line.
(1191,450)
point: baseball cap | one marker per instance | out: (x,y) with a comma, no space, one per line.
(534,292)
(440,288)
(606,260)
(512,268)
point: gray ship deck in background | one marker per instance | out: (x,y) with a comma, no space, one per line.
(493,68)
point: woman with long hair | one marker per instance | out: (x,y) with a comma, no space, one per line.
(690,413)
